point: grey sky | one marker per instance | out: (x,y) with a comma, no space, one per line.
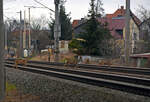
(78,8)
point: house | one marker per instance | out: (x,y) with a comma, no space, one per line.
(134,33)
(78,27)
(115,22)
(115,26)
(118,13)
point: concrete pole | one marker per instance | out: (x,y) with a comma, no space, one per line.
(6,47)
(29,31)
(127,33)
(2,72)
(21,35)
(56,30)
(24,33)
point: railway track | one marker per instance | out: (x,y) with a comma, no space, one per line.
(128,70)
(136,85)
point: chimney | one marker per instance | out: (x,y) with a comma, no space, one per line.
(122,7)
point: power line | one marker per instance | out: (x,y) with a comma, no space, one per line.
(33,7)
(44,6)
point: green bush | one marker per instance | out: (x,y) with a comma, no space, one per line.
(76,46)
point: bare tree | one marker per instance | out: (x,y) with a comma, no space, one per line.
(143,13)
(39,23)
(13,32)
(2,74)
(113,48)
(40,32)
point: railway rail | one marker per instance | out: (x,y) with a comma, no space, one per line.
(128,70)
(130,84)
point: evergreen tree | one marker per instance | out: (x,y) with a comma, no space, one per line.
(65,21)
(94,33)
(98,9)
(66,27)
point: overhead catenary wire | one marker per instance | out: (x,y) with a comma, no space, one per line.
(44,6)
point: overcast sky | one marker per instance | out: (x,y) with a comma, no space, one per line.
(78,8)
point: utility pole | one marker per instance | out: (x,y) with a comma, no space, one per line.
(29,30)
(127,33)
(29,7)
(21,36)
(2,72)
(6,47)
(24,33)
(57,30)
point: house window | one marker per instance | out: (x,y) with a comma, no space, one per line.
(134,36)
(119,15)
(120,32)
(134,50)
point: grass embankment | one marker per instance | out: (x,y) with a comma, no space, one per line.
(10,87)
(13,95)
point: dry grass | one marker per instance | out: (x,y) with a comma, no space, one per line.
(13,95)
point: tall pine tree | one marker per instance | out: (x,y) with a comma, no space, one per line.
(94,33)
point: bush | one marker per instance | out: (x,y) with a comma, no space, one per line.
(76,46)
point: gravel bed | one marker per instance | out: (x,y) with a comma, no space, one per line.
(51,89)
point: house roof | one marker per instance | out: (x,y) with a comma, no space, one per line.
(78,22)
(115,21)
(118,12)
(75,23)
(136,20)
(121,12)
(113,25)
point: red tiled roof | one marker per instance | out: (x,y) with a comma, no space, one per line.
(119,12)
(75,23)
(113,25)
(136,20)
(115,21)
